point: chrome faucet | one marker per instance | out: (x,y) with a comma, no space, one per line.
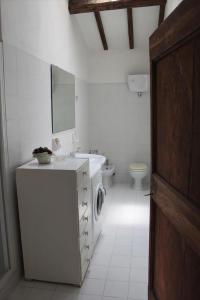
(93,151)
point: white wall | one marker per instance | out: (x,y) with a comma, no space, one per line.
(82,114)
(46,30)
(37,33)
(119,121)
(119,125)
(171,5)
(114,66)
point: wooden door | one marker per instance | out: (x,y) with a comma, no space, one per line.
(175,203)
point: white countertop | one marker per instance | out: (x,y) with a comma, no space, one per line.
(70,164)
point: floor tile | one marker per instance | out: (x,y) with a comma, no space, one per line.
(87,297)
(44,285)
(140,250)
(93,287)
(120,261)
(141,241)
(26,283)
(119,274)
(123,241)
(141,231)
(20,293)
(116,289)
(105,248)
(139,275)
(139,262)
(58,295)
(40,294)
(101,259)
(106,238)
(138,291)
(97,272)
(111,298)
(109,230)
(125,231)
(69,289)
(123,250)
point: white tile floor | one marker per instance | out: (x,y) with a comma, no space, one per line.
(119,268)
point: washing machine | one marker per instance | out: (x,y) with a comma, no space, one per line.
(98,200)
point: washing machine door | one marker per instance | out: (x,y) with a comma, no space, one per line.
(99,201)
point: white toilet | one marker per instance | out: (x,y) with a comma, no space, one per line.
(138,171)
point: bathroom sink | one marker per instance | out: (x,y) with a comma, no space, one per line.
(93,158)
(95,161)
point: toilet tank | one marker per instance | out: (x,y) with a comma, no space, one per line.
(139,83)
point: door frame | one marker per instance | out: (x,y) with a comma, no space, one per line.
(181,26)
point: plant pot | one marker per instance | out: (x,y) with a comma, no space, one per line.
(43,158)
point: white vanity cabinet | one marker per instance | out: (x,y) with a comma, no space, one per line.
(55,220)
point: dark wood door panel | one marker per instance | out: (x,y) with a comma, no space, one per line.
(191,275)
(179,211)
(195,163)
(174,79)
(162,109)
(177,266)
(175,203)
(178,27)
(168,244)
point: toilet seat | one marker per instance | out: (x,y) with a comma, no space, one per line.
(138,167)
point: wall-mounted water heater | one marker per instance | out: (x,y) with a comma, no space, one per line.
(139,83)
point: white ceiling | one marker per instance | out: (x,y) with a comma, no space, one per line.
(145,21)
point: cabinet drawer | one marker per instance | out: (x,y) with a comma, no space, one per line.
(82,240)
(83,179)
(85,255)
(85,221)
(83,200)
(85,236)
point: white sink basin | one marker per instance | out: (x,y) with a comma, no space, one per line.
(93,158)
(95,161)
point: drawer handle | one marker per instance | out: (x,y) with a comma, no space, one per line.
(84,173)
(85,233)
(85,219)
(85,189)
(84,204)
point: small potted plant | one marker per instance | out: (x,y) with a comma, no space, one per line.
(43,155)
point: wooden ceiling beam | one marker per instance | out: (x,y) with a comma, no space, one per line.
(162,13)
(101,30)
(130,27)
(84,6)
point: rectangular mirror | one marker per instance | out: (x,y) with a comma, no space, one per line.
(62,99)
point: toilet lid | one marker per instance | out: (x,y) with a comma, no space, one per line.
(138,167)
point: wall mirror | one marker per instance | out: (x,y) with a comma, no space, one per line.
(62,99)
